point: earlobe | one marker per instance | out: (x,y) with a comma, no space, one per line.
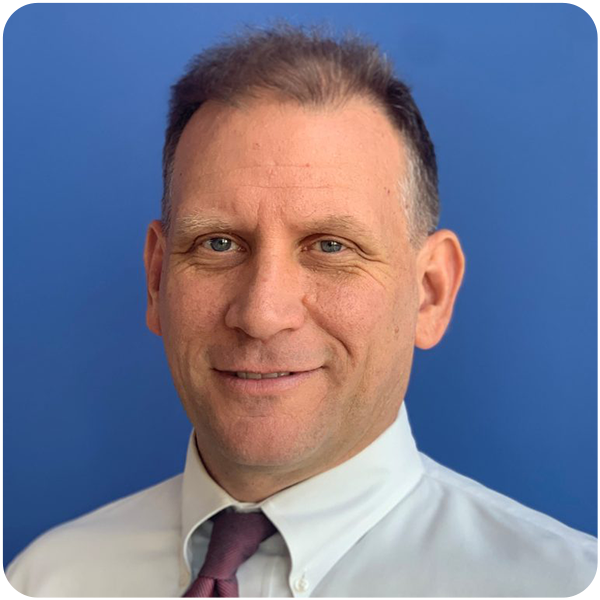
(153,261)
(441,265)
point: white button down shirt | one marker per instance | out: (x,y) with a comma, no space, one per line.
(388,522)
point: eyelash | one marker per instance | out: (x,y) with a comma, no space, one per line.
(201,244)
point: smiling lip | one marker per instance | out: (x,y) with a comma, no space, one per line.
(264,386)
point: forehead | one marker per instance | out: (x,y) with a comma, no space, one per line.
(277,158)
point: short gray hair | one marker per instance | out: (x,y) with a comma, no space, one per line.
(310,68)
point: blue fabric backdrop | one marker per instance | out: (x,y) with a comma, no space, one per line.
(509,94)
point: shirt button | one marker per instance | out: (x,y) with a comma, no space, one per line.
(301,585)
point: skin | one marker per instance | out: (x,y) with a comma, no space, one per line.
(273,290)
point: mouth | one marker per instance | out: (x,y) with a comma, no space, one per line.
(252,382)
(253,375)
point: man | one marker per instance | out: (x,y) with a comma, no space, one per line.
(296,266)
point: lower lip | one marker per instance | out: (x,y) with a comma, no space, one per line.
(264,386)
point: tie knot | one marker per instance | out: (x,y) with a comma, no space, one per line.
(235,538)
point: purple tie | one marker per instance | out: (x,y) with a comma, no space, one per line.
(235,538)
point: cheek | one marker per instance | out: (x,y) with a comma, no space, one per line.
(366,316)
(189,309)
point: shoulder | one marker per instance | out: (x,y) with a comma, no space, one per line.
(98,545)
(514,549)
(481,502)
(453,537)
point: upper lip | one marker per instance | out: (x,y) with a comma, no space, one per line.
(262,370)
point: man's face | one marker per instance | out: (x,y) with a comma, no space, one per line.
(288,252)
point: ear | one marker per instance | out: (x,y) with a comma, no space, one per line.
(440,265)
(153,261)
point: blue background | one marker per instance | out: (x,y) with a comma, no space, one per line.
(509,397)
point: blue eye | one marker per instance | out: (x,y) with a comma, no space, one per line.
(219,244)
(331,246)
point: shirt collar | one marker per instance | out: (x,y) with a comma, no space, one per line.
(318,522)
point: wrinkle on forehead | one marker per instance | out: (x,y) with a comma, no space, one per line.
(272,166)
(293,205)
(313,177)
(269,187)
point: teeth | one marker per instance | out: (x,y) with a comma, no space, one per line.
(244,375)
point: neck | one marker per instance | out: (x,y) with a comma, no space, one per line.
(252,484)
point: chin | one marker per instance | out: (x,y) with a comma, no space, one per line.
(260,443)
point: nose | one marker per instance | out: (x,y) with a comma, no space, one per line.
(268,298)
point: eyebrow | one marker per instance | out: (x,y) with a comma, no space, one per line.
(190,225)
(343,224)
